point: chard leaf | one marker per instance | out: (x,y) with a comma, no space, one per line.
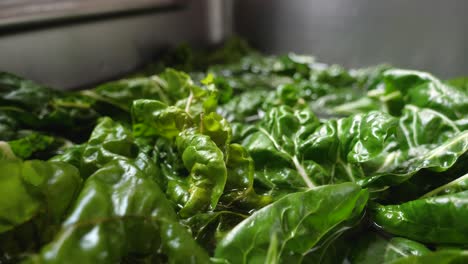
(154,118)
(245,107)
(109,140)
(199,184)
(239,189)
(209,228)
(377,150)
(437,257)
(8,126)
(351,148)
(200,100)
(35,189)
(120,211)
(39,107)
(291,226)
(455,186)
(279,137)
(25,147)
(439,219)
(423,90)
(71,155)
(217,128)
(168,87)
(207,178)
(439,158)
(373,248)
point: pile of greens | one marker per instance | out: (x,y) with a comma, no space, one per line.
(231,156)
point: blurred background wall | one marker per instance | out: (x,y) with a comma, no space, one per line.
(74,54)
(430,35)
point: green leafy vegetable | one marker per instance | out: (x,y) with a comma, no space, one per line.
(458,185)
(232,156)
(291,226)
(208,173)
(280,137)
(38,107)
(423,90)
(442,257)
(417,219)
(240,178)
(373,248)
(35,188)
(109,140)
(120,211)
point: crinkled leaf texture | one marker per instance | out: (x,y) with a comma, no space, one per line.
(168,87)
(423,90)
(280,137)
(199,186)
(39,107)
(377,150)
(236,156)
(207,178)
(121,212)
(109,140)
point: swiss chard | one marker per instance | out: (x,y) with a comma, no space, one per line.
(291,226)
(207,171)
(39,107)
(120,211)
(280,137)
(417,219)
(373,248)
(244,158)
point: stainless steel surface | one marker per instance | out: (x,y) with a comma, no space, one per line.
(14,12)
(429,35)
(77,55)
(220,20)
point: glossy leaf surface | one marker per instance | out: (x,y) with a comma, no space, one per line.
(291,226)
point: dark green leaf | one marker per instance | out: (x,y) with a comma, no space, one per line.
(205,162)
(438,257)
(373,248)
(280,137)
(37,106)
(209,228)
(240,178)
(455,186)
(288,228)
(439,219)
(120,211)
(109,140)
(25,147)
(423,90)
